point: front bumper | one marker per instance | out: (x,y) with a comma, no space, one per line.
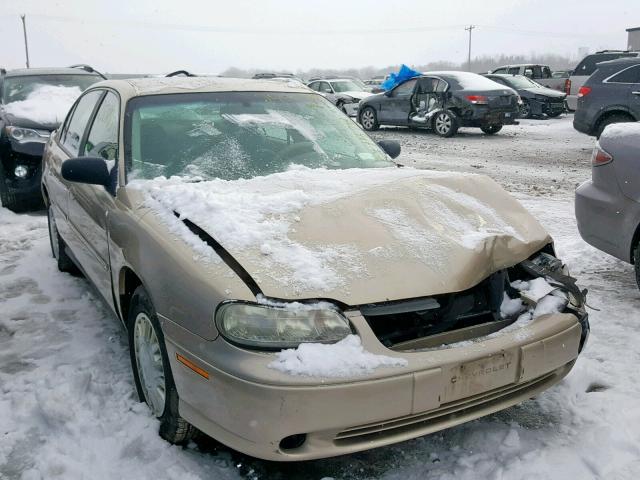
(253,412)
(351,109)
(26,190)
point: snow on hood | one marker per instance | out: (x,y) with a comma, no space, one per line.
(359,235)
(46,105)
(357,94)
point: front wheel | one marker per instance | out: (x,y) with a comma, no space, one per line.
(445,124)
(152,371)
(491,129)
(369,119)
(554,114)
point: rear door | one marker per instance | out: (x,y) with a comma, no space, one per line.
(628,80)
(89,204)
(395,109)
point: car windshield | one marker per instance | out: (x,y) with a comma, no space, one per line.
(520,81)
(346,86)
(18,88)
(232,135)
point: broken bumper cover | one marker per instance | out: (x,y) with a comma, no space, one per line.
(255,408)
(351,109)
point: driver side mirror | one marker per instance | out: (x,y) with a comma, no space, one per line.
(391,147)
(90,170)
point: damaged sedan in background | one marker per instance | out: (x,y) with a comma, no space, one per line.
(287,289)
(33,103)
(537,100)
(443,102)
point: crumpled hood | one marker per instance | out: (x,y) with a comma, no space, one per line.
(356,94)
(547,92)
(355,236)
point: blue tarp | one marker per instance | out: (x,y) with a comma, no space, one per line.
(404,74)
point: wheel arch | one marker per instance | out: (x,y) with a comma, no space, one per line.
(611,111)
(635,240)
(128,281)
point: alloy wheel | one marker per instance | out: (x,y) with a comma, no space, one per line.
(443,123)
(368,120)
(149,363)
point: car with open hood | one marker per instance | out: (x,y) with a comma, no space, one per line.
(442,102)
(33,102)
(537,100)
(286,287)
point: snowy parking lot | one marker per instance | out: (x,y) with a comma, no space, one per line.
(68,408)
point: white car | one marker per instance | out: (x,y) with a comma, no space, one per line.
(344,93)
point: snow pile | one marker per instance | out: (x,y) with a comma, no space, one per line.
(540,298)
(347,358)
(47,104)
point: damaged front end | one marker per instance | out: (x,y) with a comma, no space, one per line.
(509,297)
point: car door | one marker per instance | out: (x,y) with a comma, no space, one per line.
(628,80)
(396,104)
(89,204)
(327,91)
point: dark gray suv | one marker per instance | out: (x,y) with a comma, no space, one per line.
(610,95)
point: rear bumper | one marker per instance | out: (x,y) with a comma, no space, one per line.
(449,387)
(581,125)
(601,217)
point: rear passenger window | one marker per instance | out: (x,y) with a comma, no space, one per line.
(588,65)
(514,71)
(103,136)
(630,75)
(78,122)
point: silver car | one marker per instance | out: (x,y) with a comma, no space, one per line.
(608,206)
(344,93)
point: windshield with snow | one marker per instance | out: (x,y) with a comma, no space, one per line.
(18,89)
(232,135)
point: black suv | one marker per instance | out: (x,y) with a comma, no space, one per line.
(442,101)
(610,95)
(33,103)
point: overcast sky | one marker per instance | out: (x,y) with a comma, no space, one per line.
(209,36)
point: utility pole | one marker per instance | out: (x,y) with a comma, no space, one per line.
(469,28)
(24,30)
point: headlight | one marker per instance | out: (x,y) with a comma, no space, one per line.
(24,135)
(278,327)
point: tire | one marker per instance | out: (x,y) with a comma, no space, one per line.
(525,109)
(58,247)
(613,118)
(491,129)
(369,119)
(445,123)
(636,257)
(554,114)
(7,197)
(149,355)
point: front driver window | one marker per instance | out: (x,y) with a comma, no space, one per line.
(103,136)
(78,122)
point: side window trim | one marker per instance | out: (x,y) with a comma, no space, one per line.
(610,77)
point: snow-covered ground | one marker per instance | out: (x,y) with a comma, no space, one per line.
(68,408)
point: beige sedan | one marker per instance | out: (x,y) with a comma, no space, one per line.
(287,288)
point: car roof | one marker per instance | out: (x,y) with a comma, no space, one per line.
(624,61)
(134,87)
(22,72)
